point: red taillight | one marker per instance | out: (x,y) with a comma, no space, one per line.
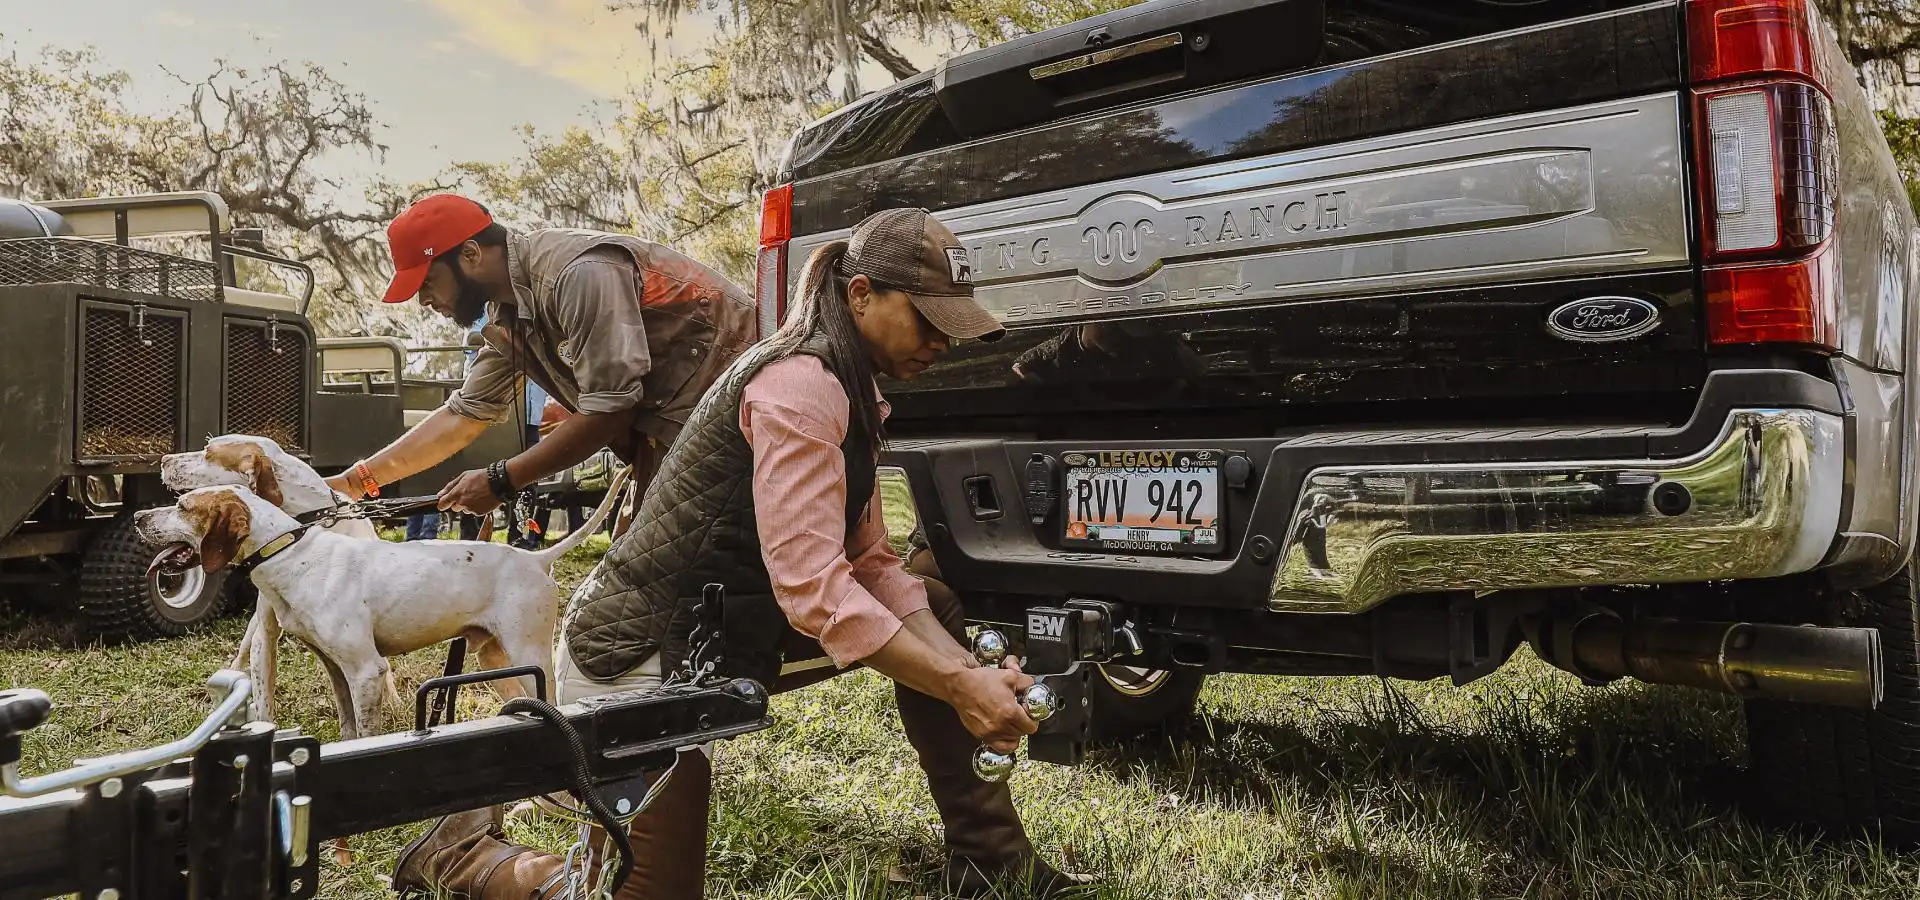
(1729,39)
(776,216)
(770,275)
(1767,154)
(1788,303)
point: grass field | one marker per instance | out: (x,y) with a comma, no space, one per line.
(1521,785)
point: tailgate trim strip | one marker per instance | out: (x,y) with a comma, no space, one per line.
(1566,193)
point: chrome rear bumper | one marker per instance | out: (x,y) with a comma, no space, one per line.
(1763,500)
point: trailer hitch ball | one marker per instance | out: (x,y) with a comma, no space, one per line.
(992,765)
(1039,701)
(989,647)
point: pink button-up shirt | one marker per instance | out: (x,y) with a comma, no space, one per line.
(850,593)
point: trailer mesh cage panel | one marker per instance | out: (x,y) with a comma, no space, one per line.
(266,386)
(132,359)
(100,264)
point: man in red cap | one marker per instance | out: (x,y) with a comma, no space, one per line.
(626,334)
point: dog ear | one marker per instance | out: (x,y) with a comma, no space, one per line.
(265,483)
(250,461)
(227,524)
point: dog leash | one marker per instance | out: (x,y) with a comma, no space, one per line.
(446,701)
(370,509)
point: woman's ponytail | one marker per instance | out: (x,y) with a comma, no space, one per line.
(820,307)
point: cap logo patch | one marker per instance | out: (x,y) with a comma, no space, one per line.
(959,265)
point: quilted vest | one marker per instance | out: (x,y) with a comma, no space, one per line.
(696,526)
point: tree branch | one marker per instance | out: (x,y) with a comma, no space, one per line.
(704,223)
(890,59)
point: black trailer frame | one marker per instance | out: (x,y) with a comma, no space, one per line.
(223,826)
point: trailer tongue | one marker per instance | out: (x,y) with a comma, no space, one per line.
(238,810)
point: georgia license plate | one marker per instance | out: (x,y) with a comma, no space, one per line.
(1145,501)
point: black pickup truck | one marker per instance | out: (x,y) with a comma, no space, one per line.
(1382,336)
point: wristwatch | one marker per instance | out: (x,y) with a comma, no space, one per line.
(497,480)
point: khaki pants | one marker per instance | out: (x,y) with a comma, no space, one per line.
(570,684)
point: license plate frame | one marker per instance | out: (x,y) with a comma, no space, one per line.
(1124,476)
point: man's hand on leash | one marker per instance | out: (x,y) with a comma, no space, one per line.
(343,485)
(470,493)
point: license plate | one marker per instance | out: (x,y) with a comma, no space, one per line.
(1143,501)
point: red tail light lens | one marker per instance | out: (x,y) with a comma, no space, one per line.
(770,275)
(1729,39)
(1792,303)
(1767,160)
(776,216)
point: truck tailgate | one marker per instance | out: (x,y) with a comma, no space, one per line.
(1326,238)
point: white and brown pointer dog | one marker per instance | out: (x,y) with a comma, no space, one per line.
(357,602)
(260,465)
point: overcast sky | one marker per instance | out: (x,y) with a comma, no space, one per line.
(450,79)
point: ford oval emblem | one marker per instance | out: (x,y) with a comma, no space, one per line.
(1603,319)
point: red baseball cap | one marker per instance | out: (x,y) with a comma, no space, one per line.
(426,229)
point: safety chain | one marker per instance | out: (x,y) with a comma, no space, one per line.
(576,864)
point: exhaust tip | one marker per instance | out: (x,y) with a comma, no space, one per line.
(1821,665)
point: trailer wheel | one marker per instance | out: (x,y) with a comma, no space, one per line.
(1127,702)
(119,601)
(1850,770)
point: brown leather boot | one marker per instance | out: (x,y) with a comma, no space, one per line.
(985,839)
(465,855)
(986,843)
(669,839)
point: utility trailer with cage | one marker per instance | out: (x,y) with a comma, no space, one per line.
(112,355)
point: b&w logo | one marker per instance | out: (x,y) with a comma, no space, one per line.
(1046,628)
(959,265)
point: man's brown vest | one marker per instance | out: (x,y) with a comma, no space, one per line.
(697,322)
